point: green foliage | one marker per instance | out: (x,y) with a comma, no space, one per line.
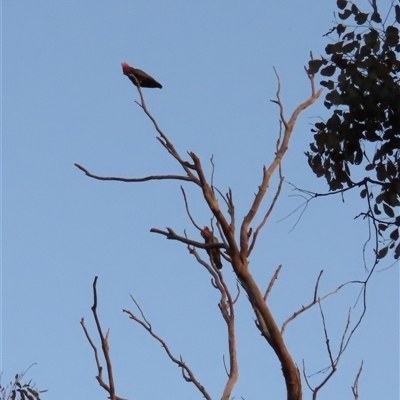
(17,391)
(364,127)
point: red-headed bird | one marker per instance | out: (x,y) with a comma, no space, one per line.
(143,79)
(214,254)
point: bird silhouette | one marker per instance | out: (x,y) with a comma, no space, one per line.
(145,80)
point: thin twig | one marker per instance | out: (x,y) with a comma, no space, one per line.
(272,281)
(238,293)
(333,365)
(223,197)
(370,214)
(226,307)
(212,201)
(212,171)
(187,373)
(187,209)
(333,361)
(279,102)
(164,139)
(305,376)
(268,172)
(166,143)
(314,301)
(208,267)
(110,387)
(267,214)
(354,388)
(277,193)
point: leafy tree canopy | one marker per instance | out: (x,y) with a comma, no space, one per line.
(361,71)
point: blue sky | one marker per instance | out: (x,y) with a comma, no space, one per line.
(65,100)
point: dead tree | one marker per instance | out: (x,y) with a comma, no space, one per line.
(234,243)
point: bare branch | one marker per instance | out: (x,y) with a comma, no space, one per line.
(267,172)
(226,307)
(187,209)
(267,214)
(342,342)
(333,364)
(363,182)
(226,369)
(207,191)
(221,233)
(223,197)
(272,281)
(212,203)
(144,179)
(354,388)
(164,139)
(305,376)
(238,293)
(170,234)
(213,271)
(333,361)
(212,171)
(167,144)
(373,221)
(328,347)
(231,209)
(275,199)
(110,387)
(96,354)
(186,371)
(314,301)
(305,205)
(279,102)
(317,284)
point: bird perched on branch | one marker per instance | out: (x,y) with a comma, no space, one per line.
(144,79)
(214,254)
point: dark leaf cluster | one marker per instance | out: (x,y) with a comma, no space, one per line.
(361,72)
(20,391)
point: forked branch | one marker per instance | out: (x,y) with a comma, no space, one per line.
(265,320)
(110,387)
(187,373)
(334,360)
(268,172)
(226,307)
(354,388)
(316,299)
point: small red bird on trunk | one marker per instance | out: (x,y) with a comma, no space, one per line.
(214,254)
(144,79)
